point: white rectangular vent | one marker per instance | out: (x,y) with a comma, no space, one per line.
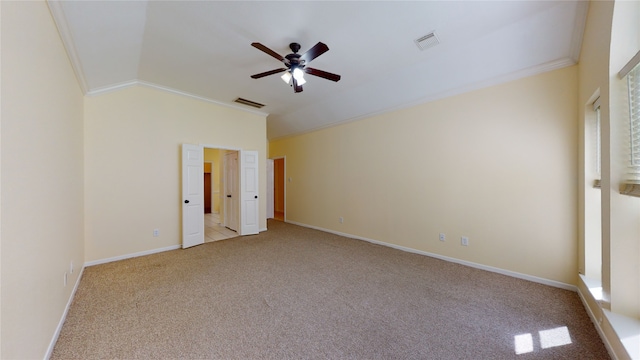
(248,103)
(427,41)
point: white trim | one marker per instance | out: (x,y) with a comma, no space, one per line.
(587,283)
(514,274)
(63,318)
(133,255)
(57,12)
(219,147)
(635,60)
(194,96)
(597,325)
(582,10)
(111,88)
(627,330)
(128,84)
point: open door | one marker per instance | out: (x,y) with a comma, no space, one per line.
(249,202)
(192,195)
(231,198)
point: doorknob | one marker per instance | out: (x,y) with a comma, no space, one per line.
(186,201)
(256,197)
(228,195)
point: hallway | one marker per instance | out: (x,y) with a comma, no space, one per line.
(214,230)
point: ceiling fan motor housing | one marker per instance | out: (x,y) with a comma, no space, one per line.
(295,47)
(294,59)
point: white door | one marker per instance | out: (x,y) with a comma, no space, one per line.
(231,190)
(192,195)
(270,190)
(249,202)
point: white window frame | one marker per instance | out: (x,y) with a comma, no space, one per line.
(598,142)
(631,71)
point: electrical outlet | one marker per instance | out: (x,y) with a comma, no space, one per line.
(341,219)
(465,241)
(442,237)
(156,232)
(65,279)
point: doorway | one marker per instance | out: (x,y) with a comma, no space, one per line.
(278,189)
(208,187)
(215,181)
(245,180)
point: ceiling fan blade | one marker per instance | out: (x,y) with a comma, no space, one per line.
(267,73)
(319,49)
(259,46)
(296,88)
(322,74)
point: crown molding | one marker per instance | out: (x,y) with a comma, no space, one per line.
(531,71)
(128,84)
(578,29)
(111,88)
(198,97)
(57,13)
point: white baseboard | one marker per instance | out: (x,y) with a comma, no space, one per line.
(52,344)
(597,325)
(75,288)
(514,274)
(129,256)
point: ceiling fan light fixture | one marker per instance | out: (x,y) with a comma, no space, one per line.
(286,77)
(299,76)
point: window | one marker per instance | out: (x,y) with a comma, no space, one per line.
(597,142)
(632,73)
(633,85)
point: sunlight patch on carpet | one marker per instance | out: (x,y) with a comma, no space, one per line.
(555,337)
(548,338)
(524,343)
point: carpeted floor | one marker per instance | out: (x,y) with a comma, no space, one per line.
(298,293)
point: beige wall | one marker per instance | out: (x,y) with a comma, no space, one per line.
(498,165)
(132,164)
(41,179)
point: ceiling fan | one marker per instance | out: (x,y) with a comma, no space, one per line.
(296,65)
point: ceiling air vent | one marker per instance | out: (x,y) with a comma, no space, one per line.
(427,41)
(248,103)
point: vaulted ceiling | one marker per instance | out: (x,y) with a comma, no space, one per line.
(203,49)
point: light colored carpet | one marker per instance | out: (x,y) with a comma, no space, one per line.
(298,293)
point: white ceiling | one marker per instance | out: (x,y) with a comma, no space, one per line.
(202,48)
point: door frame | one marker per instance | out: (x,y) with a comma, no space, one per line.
(239,178)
